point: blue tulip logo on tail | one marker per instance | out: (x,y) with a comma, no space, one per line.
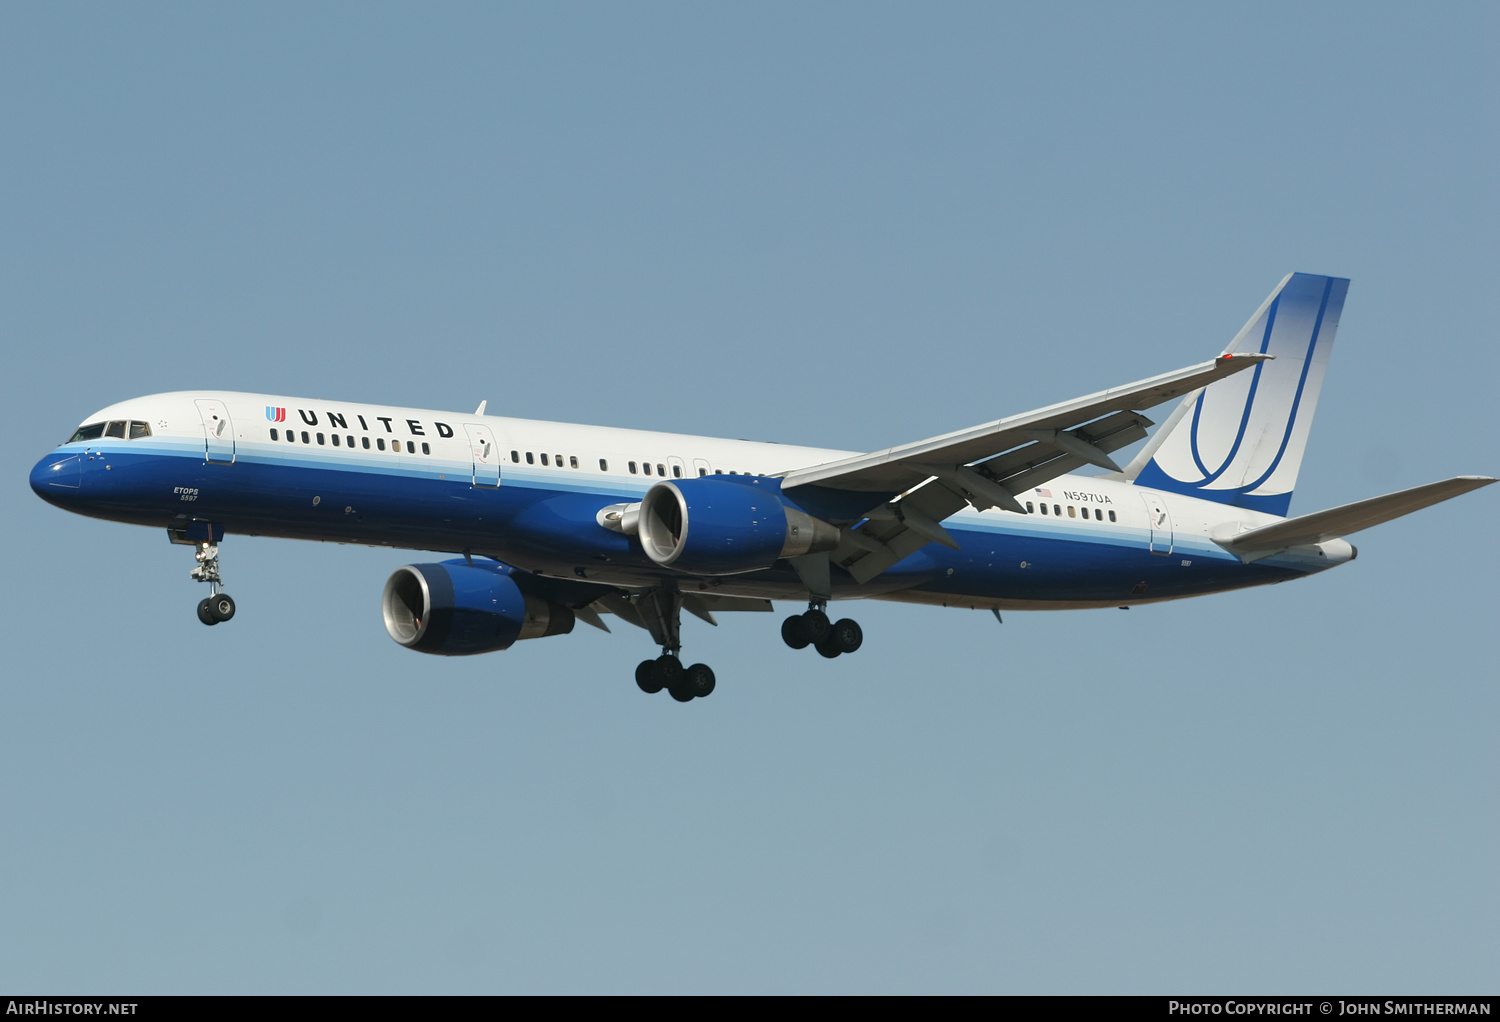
(1240,441)
(275,414)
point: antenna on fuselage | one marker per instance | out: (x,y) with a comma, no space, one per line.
(480,409)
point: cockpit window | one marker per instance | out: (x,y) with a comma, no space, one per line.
(93,431)
(138,430)
(116,429)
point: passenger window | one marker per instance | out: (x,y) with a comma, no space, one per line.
(603,465)
(661,470)
(93,431)
(320,439)
(544,459)
(572,461)
(515,457)
(1044,509)
(646,467)
(304,437)
(140,429)
(364,442)
(529,459)
(702,472)
(349,440)
(274,435)
(425,448)
(1030,508)
(1071,512)
(291,437)
(632,468)
(557,460)
(411,447)
(1056,510)
(677,471)
(116,429)
(1098,515)
(379,442)
(1111,516)
(335,439)
(718,471)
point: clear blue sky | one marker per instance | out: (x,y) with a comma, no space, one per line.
(836,224)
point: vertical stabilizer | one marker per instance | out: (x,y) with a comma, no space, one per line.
(1240,441)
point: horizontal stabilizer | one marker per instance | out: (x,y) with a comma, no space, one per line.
(1341,521)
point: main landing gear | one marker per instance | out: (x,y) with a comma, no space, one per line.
(813,628)
(218,607)
(661,610)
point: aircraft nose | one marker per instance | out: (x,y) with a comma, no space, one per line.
(57,477)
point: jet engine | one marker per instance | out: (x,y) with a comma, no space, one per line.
(456,608)
(722,525)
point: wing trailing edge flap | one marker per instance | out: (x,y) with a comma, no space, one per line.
(1345,520)
(910,521)
(701,605)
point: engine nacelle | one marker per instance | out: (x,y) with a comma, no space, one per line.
(718,525)
(456,608)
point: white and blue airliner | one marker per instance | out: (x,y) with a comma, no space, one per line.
(556,523)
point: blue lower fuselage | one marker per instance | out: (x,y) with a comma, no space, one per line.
(546,523)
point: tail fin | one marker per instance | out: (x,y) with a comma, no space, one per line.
(1240,441)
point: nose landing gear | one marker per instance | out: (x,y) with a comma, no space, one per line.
(218,606)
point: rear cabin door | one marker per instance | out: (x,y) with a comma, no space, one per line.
(218,431)
(486,454)
(1160,524)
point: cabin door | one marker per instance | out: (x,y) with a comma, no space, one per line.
(486,454)
(1160,524)
(218,431)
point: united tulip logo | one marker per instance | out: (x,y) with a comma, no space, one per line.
(275,414)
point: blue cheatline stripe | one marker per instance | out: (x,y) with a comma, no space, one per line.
(1307,362)
(1265,344)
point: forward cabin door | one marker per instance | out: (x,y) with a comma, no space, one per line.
(1160,520)
(486,454)
(218,431)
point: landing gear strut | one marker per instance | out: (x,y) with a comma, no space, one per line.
(812,628)
(661,610)
(218,607)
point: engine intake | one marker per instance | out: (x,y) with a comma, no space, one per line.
(719,525)
(456,609)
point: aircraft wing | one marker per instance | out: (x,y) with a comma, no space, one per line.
(1350,518)
(1068,428)
(915,486)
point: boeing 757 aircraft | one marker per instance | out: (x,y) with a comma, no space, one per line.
(556,523)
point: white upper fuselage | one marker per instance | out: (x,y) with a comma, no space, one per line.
(1007,560)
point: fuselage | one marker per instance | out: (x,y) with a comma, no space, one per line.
(529,493)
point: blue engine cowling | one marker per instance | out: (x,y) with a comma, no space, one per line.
(722,525)
(456,608)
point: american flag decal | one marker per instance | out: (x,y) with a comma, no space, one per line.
(1043,493)
(275,414)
